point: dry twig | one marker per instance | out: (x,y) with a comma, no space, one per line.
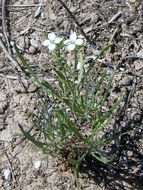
(4,26)
(10,164)
(23,6)
(24,83)
(77,24)
(15,65)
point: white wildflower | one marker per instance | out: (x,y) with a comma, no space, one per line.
(52,41)
(74,41)
(7,174)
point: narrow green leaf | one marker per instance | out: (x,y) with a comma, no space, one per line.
(50,88)
(72,161)
(97,57)
(59,74)
(32,139)
(70,126)
(63,131)
(100,157)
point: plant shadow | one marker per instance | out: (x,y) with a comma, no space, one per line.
(126,171)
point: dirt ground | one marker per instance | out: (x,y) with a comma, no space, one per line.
(119,22)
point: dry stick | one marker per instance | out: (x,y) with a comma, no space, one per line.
(115,17)
(30,5)
(4,26)
(10,164)
(113,35)
(8,77)
(78,25)
(15,65)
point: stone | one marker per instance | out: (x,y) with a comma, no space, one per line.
(136,117)
(32,49)
(126,81)
(37,164)
(138,65)
(7,174)
(34,43)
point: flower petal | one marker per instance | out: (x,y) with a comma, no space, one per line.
(51,36)
(71,47)
(57,40)
(79,42)
(46,43)
(73,36)
(51,47)
(66,42)
(81,36)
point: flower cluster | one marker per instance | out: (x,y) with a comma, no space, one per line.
(71,44)
(52,41)
(74,41)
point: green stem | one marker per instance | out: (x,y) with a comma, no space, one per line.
(75,62)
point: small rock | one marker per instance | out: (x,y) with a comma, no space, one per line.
(141,106)
(140,102)
(37,164)
(133,1)
(3,103)
(138,27)
(126,81)
(138,65)
(124,27)
(21,42)
(136,117)
(32,50)
(7,174)
(32,88)
(140,54)
(34,43)
(121,69)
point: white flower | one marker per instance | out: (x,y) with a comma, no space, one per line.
(52,41)
(74,41)
(37,164)
(7,174)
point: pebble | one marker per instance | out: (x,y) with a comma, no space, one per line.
(37,164)
(126,81)
(7,174)
(138,65)
(137,117)
(21,43)
(140,102)
(138,27)
(140,54)
(32,49)
(141,106)
(34,43)
(121,69)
